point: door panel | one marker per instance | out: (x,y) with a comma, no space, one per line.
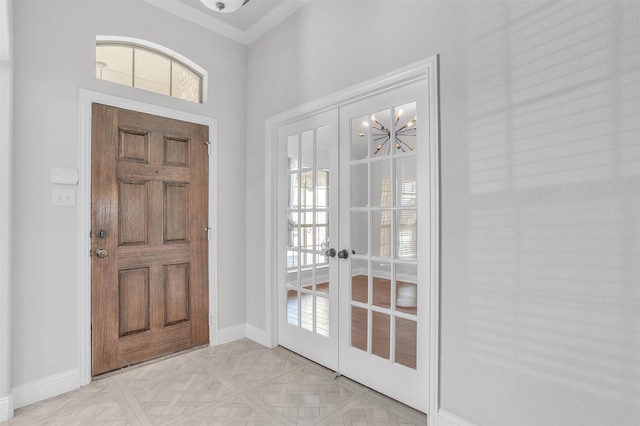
(150,198)
(308,277)
(384,288)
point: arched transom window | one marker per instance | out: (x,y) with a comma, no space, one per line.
(147,66)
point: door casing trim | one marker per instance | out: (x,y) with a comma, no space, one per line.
(86,98)
(427,69)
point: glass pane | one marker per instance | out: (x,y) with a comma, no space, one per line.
(293,149)
(381,233)
(322,316)
(359,233)
(323,145)
(293,233)
(292,258)
(322,237)
(306,230)
(406,182)
(293,193)
(381,133)
(359,323)
(407,234)
(307,149)
(322,276)
(322,231)
(292,307)
(380,339)
(406,336)
(321,259)
(407,288)
(322,189)
(381,184)
(359,138)
(306,311)
(359,185)
(406,128)
(292,274)
(306,190)
(359,280)
(152,72)
(115,63)
(306,259)
(381,284)
(306,278)
(185,84)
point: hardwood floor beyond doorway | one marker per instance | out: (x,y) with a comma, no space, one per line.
(406,330)
(239,383)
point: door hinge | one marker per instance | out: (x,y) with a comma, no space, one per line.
(210,319)
(208,231)
(208,144)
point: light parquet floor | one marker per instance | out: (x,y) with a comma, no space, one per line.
(239,383)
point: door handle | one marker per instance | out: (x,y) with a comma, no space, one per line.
(330,253)
(343,254)
(102,253)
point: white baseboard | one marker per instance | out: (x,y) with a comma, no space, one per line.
(6,408)
(237,332)
(446,418)
(231,334)
(258,335)
(45,388)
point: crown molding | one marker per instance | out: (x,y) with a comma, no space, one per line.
(266,23)
(273,18)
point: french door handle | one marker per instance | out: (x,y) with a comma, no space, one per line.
(330,252)
(343,254)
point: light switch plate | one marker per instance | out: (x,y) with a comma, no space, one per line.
(64,197)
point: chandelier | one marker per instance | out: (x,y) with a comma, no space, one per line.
(381,134)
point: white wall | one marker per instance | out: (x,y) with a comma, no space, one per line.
(54,57)
(6,142)
(540,162)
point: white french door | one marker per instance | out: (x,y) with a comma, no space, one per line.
(384,217)
(354,241)
(307,226)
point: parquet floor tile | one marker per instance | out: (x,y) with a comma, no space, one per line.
(304,394)
(240,383)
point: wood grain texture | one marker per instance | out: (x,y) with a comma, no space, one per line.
(150,193)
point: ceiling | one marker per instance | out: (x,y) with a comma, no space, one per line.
(244,25)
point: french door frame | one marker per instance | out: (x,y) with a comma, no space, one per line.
(426,71)
(86,99)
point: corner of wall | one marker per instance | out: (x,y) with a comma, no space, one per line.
(259,335)
(237,332)
(230,334)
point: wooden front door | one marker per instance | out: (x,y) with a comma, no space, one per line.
(149,219)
